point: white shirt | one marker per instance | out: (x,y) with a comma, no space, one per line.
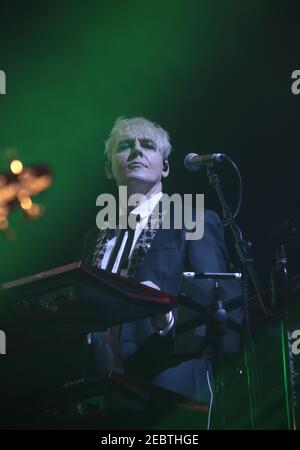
(143,210)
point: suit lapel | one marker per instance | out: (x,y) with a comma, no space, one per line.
(101,243)
(144,241)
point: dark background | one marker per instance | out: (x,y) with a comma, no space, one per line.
(216,75)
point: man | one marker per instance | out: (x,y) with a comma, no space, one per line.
(137,152)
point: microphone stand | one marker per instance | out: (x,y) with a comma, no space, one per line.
(242,249)
(280,299)
(217,321)
(218,329)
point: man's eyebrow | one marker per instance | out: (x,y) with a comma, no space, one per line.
(131,140)
(125,140)
(148,140)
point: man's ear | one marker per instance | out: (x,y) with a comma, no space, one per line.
(166,169)
(108,171)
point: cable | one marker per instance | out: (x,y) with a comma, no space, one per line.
(240,185)
(211,400)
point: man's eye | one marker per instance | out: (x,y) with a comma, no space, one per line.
(123,146)
(148,144)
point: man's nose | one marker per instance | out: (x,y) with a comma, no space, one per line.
(136,148)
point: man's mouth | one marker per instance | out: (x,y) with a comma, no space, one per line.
(136,164)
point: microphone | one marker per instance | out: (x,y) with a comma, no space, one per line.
(193,162)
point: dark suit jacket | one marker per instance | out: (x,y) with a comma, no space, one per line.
(174,361)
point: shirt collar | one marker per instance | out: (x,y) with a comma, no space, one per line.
(146,208)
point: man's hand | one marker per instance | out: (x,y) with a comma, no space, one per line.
(161,322)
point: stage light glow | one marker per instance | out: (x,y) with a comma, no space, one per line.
(26,203)
(16,167)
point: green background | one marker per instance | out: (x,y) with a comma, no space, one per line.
(216,75)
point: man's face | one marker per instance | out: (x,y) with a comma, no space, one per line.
(136,158)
